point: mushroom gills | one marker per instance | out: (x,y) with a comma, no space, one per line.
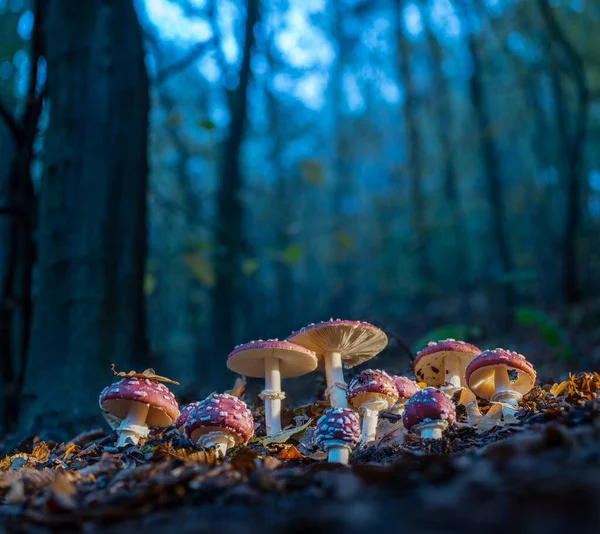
(134,426)
(219,439)
(335,380)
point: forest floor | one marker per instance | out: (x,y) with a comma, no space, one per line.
(540,474)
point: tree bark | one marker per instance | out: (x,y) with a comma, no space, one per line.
(229,232)
(92,213)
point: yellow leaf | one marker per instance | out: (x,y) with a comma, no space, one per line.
(313,172)
(249,266)
(201,268)
(291,453)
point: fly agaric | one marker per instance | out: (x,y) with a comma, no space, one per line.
(406,389)
(428,413)
(184,414)
(222,421)
(371,392)
(273,360)
(136,403)
(337,341)
(442,364)
(488,376)
(338,432)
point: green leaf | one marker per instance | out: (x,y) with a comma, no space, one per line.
(207,124)
(292,254)
(201,268)
(150,284)
(454,331)
(313,172)
(284,435)
(249,266)
(554,336)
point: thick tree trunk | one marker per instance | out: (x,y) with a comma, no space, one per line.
(229,233)
(92,213)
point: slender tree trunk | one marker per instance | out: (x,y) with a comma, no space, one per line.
(572,137)
(491,165)
(92,219)
(414,161)
(229,234)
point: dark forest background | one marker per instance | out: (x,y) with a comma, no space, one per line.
(179,176)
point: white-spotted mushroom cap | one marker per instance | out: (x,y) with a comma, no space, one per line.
(223,412)
(481,372)
(429,365)
(426,406)
(356,341)
(338,426)
(184,414)
(406,387)
(372,384)
(249,359)
(115,401)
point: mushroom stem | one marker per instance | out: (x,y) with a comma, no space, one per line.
(501,380)
(397,409)
(453,373)
(433,429)
(134,427)
(371,411)
(218,439)
(272,396)
(505,393)
(338,454)
(335,380)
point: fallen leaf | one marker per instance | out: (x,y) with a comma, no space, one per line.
(148,373)
(291,453)
(284,435)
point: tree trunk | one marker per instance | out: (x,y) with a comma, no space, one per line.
(414,163)
(229,232)
(92,213)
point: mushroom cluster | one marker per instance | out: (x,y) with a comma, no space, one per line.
(139,402)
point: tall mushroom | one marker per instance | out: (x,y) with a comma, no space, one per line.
(222,421)
(273,360)
(428,413)
(336,342)
(406,389)
(137,402)
(488,376)
(338,432)
(442,364)
(371,392)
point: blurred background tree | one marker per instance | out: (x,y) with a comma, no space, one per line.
(431,166)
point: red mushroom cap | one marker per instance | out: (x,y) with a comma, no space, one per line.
(221,412)
(115,401)
(428,405)
(480,372)
(428,365)
(406,387)
(340,425)
(372,384)
(185,413)
(356,341)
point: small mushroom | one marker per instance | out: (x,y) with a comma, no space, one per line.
(338,432)
(132,405)
(488,377)
(337,341)
(184,414)
(273,360)
(406,389)
(442,364)
(222,421)
(428,413)
(371,392)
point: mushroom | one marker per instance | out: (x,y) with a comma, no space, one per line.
(337,341)
(338,432)
(428,413)
(184,414)
(442,364)
(371,392)
(222,421)
(488,377)
(406,389)
(133,405)
(273,360)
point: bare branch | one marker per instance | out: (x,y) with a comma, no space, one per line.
(194,54)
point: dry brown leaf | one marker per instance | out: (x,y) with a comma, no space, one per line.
(41,452)
(239,388)
(62,493)
(291,453)
(558,389)
(150,374)
(207,456)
